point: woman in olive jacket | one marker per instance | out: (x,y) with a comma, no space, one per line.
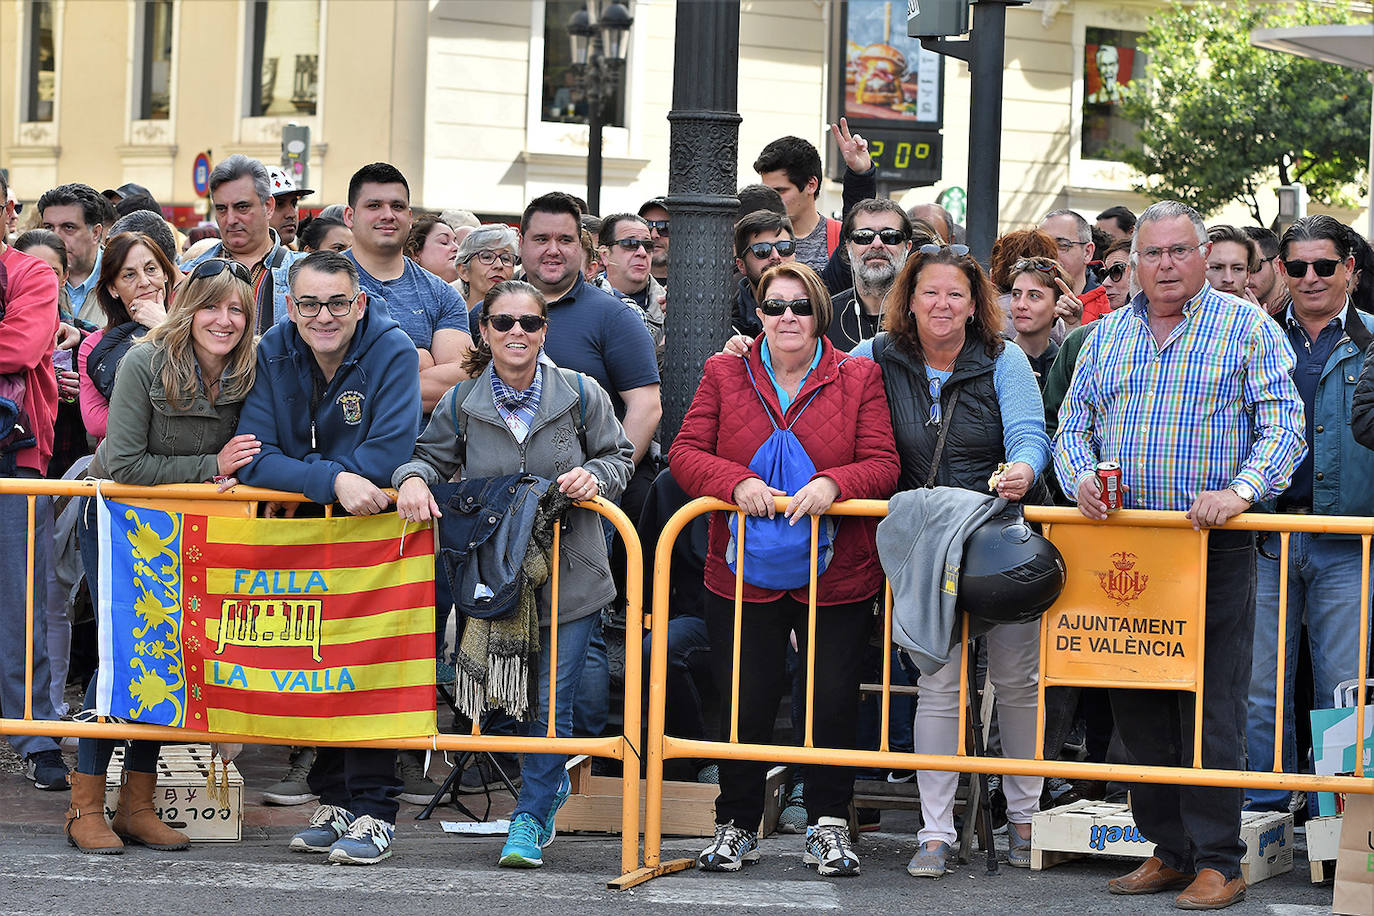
(173,412)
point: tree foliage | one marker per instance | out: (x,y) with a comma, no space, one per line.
(1222,119)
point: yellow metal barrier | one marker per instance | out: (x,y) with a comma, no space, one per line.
(623,747)
(660,746)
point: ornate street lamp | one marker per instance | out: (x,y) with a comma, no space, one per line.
(599,35)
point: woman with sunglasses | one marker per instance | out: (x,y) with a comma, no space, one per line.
(487,256)
(1116,278)
(523,413)
(135,285)
(793,378)
(965,411)
(1034,291)
(172,417)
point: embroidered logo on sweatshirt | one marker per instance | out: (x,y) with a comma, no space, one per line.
(352,404)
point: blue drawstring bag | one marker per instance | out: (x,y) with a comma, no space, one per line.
(776,554)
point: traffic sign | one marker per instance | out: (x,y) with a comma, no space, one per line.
(200,174)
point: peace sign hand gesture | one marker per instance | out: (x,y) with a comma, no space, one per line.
(853,148)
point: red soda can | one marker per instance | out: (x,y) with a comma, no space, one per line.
(1109,477)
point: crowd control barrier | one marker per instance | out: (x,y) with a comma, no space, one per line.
(242,502)
(1145,570)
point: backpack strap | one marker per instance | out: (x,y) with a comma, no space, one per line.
(460,419)
(832,235)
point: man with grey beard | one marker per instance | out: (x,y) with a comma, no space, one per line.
(877,238)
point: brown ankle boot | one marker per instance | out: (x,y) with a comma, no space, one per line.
(136,819)
(86,827)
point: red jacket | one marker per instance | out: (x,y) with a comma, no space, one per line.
(27,334)
(846,430)
(1095,304)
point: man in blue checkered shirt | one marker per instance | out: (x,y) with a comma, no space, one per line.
(1190,390)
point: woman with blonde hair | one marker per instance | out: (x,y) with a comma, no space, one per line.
(173,413)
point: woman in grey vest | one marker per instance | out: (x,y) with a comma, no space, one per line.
(966,412)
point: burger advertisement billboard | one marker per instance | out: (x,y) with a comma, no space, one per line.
(892,92)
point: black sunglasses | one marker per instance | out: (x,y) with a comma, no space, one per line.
(888,236)
(528,323)
(658,225)
(762,250)
(933,248)
(1324,267)
(632,244)
(1116,271)
(774,308)
(213,267)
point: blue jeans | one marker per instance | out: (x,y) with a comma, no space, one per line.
(689,655)
(1323,591)
(591,709)
(543,773)
(93,754)
(14,536)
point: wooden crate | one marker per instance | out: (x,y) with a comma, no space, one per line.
(181,797)
(1323,842)
(689,808)
(1086,828)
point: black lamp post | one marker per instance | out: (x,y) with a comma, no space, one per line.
(600,37)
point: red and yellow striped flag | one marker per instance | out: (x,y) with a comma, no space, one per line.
(310,629)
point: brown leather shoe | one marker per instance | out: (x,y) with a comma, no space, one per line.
(1151,877)
(136,818)
(1211,891)
(86,827)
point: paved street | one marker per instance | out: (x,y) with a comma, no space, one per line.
(433,872)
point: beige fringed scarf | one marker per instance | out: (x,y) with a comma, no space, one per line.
(495,656)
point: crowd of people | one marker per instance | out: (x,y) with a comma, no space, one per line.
(1223,368)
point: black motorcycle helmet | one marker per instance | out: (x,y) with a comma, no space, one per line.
(1010,574)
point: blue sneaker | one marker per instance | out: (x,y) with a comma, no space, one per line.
(560,798)
(524,843)
(327,824)
(367,842)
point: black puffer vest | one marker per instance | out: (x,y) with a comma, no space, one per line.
(974,445)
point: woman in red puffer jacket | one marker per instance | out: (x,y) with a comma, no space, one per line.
(835,406)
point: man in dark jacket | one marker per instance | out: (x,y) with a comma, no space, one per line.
(336,406)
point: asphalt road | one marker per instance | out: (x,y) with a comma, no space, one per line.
(442,874)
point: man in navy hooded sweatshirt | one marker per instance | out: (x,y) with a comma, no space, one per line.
(336,405)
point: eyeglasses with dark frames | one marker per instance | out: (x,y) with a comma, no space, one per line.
(489,257)
(658,225)
(1324,267)
(631,244)
(338,306)
(888,236)
(213,267)
(530,324)
(762,250)
(775,308)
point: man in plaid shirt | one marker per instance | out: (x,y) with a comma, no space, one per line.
(1190,390)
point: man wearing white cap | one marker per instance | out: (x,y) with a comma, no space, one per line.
(288,197)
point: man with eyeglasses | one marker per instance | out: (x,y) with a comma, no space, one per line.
(655,215)
(877,240)
(762,238)
(241,192)
(1074,238)
(626,254)
(1329,337)
(430,311)
(1194,398)
(336,406)
(1267,283)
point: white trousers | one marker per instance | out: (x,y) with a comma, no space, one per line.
(1013,667)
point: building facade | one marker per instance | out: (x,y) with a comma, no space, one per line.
(473,100)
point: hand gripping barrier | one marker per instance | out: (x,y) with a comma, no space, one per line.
(242,501)
(1173,663)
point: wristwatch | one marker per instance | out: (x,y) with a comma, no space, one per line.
(1244,491)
